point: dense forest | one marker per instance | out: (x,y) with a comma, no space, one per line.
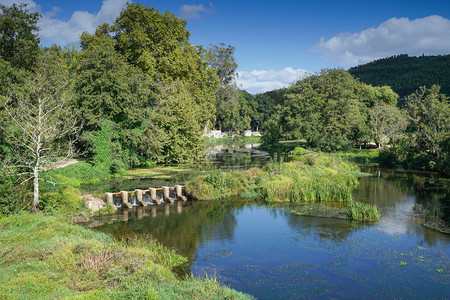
(137,92)
(406,74)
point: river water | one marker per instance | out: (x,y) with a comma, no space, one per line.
(272,254)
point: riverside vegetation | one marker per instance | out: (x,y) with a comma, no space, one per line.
(311,178)
(72,262)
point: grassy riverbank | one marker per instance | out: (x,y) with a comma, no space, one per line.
(46,257)
(309,178)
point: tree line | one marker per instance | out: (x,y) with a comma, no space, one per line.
(334,111)
(406,74)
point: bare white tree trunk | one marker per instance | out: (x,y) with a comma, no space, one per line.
(36,189)
(45,128)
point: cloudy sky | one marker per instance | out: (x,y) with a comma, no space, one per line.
(277,41)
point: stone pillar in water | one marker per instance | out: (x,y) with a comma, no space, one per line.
(179,190)
(110,200)
(153,196)
(139,201)
(166,195)
(125,202)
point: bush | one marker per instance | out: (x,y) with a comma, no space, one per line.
(216,179)
(14,196)
(388,158)
(65,201)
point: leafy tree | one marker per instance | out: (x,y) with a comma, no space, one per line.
(330,110)
(326,109)
(388,123)
(19,41)
(176,117)
(271,132)
(222,59)
(428,131)
(107,87)
(157,43)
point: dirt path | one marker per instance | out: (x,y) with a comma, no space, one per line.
(68,163)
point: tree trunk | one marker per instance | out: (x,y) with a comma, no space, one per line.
(36,189)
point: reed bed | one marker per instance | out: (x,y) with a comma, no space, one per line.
(310,178)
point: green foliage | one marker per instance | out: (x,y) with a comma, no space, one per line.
(107,87)
(425,144)
(271,132)
(15,196)
(176,120)
(47,257)
(63,202)
(74,175)
(362,211)
(153,41)
(361,156)
(222,59)
(330,110)
(388,123)
(406,74)
(108,154)
(19,41)
(216,179)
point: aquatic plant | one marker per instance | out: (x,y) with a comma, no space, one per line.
(362,211)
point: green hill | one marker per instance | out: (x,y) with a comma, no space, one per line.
(405,74)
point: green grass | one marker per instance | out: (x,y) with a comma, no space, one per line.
(74,175)
(360,156)
(230,140)
(45,257)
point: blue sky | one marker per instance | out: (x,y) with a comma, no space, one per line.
(276,41)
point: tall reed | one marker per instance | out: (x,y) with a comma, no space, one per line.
(362,211)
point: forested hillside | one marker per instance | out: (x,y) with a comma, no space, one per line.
(405,74)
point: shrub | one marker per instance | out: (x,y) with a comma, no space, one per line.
(65,201)
(14,195)
(388,158)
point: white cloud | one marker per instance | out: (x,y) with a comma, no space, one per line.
(31,5)
(60,32)
(193,11)
(429,36)
(260,81)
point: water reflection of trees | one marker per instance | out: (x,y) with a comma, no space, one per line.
(181,229)
(336,230)
(389,188)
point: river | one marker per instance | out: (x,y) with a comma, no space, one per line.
(272,254)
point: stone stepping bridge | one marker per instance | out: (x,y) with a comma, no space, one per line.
(139,197)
